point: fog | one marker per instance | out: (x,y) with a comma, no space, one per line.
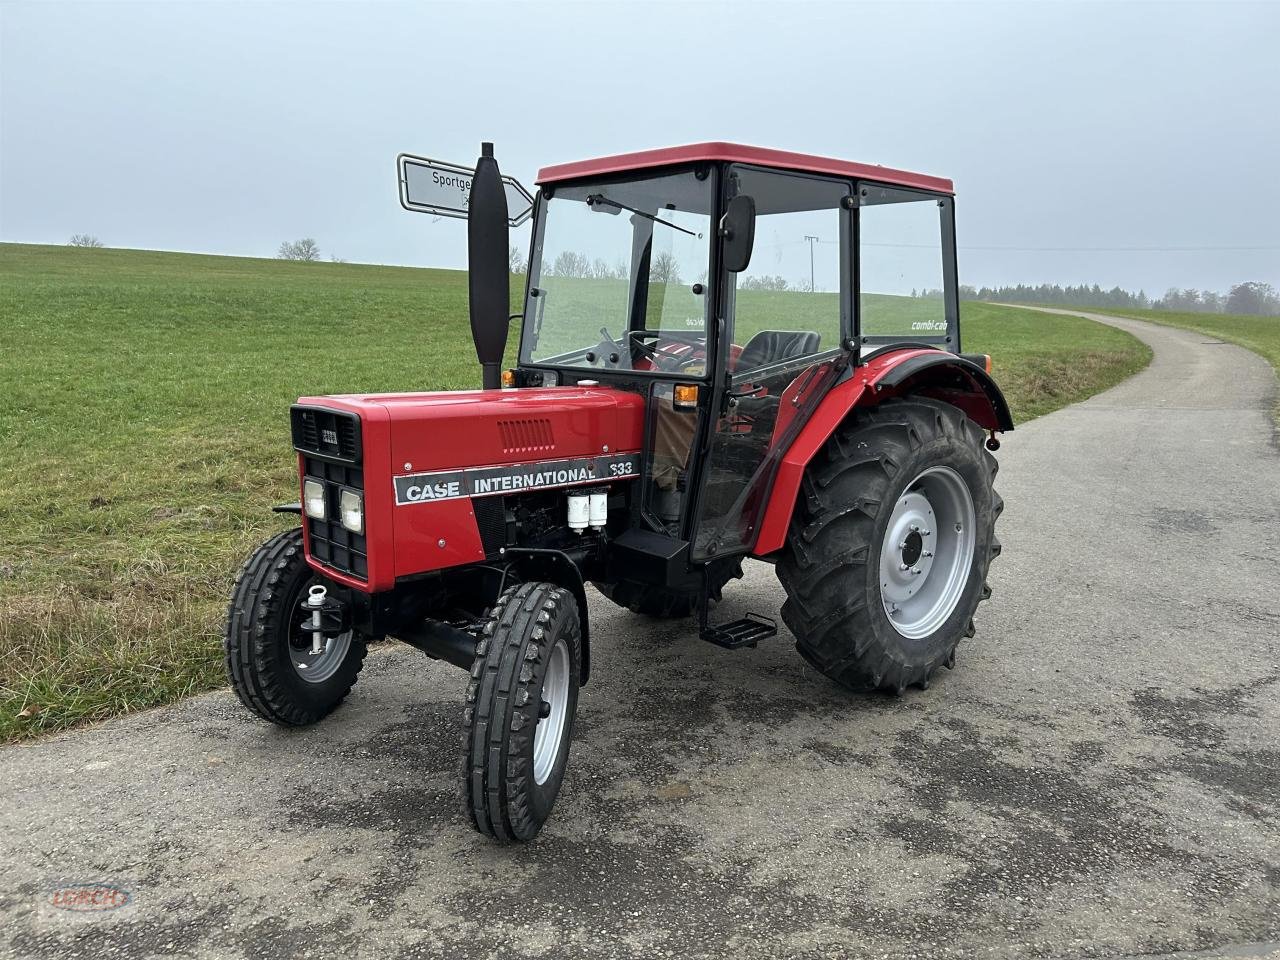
(1110,143)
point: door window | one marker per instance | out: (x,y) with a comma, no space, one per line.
(785,315)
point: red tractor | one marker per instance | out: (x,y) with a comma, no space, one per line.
(725,352)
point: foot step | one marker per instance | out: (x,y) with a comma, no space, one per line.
(746,632)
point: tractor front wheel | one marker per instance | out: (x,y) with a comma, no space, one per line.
(887,556)
(521,702)
(270,660)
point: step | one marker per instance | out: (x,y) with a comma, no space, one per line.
(746,632)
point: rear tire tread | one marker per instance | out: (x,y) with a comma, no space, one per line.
(832,531)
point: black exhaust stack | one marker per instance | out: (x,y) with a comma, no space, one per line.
(488,279)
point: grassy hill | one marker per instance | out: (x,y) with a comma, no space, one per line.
(144,438)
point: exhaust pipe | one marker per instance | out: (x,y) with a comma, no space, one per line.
(488,279)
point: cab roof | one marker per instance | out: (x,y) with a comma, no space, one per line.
(740,153)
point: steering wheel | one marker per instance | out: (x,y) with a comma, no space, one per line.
(670,358)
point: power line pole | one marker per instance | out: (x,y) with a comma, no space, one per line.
(812,241)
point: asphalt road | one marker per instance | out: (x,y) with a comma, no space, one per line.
(1099,776)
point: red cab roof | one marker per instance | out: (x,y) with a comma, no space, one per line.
(740,153)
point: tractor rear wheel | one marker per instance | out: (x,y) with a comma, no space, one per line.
(665,604)
(269,657)
(518,718)
(887,556)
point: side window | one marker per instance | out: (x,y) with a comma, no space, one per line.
(787,303)
(901,278)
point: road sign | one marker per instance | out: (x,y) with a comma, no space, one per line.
(432,186)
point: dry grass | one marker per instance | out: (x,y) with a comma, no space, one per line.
(78,658)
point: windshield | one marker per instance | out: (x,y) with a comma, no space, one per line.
(619,275)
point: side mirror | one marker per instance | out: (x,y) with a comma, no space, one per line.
(738,232)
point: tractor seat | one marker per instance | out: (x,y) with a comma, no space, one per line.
(773,346)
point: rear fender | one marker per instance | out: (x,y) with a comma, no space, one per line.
(920,372)
(953,379)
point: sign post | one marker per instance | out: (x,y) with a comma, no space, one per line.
(444,189)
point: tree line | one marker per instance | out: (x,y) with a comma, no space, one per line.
(663,268)
(1250,298)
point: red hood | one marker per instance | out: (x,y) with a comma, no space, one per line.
(468,428)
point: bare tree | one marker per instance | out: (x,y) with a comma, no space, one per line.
(569,263)
(336,259)
(304,249)
(664,268)
(515,260)
(763,283)
(83,240)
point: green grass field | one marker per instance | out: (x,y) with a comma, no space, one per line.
(573,308)
(1259,334)
(144,438)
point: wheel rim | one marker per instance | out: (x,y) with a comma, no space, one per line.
(927,552)
(316,667)
(555,697)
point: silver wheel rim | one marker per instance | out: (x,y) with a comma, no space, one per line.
(550,730)
(927,552)
(319,667)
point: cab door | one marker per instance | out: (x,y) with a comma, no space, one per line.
(786,319)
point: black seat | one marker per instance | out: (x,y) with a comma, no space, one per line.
(773,346)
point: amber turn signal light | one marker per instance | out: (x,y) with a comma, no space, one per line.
(508,378)
(685,396)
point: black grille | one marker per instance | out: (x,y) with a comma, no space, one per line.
(331,543)
(327,433)
(491,519)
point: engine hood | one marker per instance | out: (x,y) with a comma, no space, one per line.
(471,428)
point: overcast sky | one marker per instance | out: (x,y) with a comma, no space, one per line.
(1075,133)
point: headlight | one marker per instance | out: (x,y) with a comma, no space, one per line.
(351,507)
(313,499)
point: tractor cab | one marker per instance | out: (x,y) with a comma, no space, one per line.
(730,287)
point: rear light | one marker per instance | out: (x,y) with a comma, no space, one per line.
(508,378)
(685,396)
(313,500)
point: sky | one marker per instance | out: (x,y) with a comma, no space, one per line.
(1100,142)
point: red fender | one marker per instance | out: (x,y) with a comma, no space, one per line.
(924,372)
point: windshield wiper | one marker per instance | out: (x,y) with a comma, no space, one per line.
(601,198)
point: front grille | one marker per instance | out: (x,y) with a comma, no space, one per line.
(327,433)
(526,436)
(331,543)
